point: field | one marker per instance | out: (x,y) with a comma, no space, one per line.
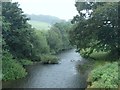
(40,25)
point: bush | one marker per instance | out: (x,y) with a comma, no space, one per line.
(11,69)
(26,62)
(105,76)
(86,52)
(100,55)
(49,59)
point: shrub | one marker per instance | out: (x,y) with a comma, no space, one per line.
(26,62)
(100,55)
(11,69)
(105,76)
(84,52)
(49,59)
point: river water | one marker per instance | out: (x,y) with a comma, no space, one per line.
(62,75)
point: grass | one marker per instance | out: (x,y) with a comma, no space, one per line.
(105,76)
(102,68)
(39,25)
(101,58)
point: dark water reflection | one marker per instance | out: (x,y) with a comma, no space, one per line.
(63,75)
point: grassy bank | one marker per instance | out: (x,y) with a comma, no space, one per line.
(104,73)
(13,69)
(105,76)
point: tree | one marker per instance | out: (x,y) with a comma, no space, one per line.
(64,28)
(97,29)
(54,41)
(58,37)
(42,42)
(17,33)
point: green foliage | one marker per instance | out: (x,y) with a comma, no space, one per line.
(39,46)
(11,69)
(55,41)
(16,32)
(42,42)
(25,62)
(25,44)
(64,28)
(49,59)
(100,55)
(108,32)
(105,76)
(22,41)
(58,38)
(97,28)
(85,52)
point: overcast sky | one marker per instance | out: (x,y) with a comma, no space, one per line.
(64,9)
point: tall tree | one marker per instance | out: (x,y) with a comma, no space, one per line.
(97,28)
(17,32)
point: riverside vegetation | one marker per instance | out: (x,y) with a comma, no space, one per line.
(96,36)
(94,32)
(24,45)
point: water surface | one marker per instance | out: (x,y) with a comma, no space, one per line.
(63,75)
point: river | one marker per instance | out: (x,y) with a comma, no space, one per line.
(62,75)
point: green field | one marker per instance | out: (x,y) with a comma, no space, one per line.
(40,25)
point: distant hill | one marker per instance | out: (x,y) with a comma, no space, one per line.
(39,25)
(44,18)
(42,22)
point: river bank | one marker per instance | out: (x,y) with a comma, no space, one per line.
(104,73)
(63,75)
